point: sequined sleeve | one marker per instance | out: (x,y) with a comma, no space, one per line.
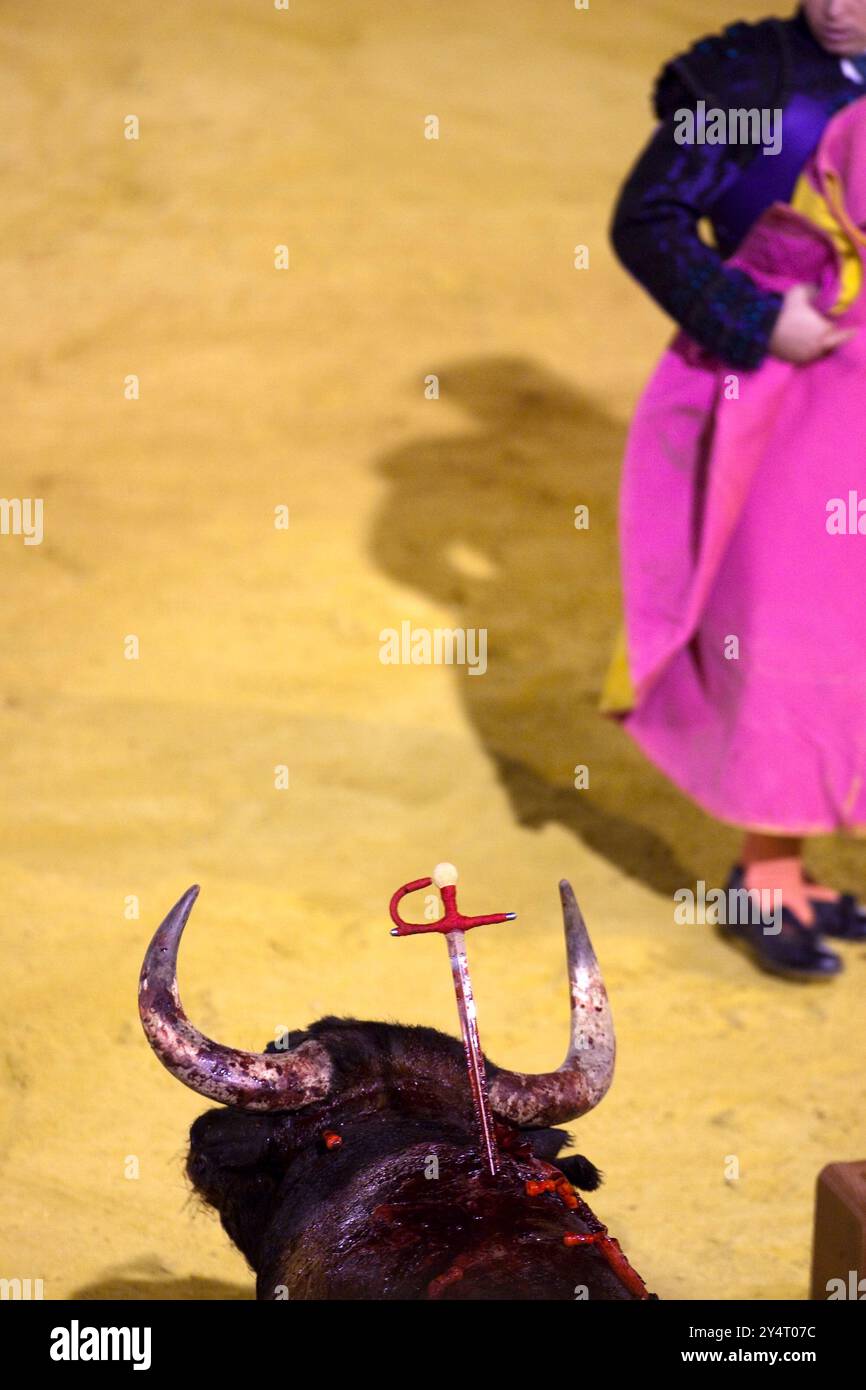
(655,234)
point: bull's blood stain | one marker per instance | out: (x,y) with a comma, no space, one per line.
(469,1228)
(609,1247)
(511,1140)
(597,1234)
(437,1286)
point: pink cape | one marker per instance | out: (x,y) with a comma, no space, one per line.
(745,616)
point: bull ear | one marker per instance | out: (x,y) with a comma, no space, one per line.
(248,1080)
(580,1172)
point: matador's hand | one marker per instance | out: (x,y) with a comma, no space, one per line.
(802,334)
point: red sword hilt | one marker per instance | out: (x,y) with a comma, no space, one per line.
(452,919)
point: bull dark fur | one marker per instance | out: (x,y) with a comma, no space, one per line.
(346,1163)
(361,1220)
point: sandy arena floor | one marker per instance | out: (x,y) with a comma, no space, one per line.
(260,647)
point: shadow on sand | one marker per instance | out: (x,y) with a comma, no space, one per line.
(133,1289)
(483,521)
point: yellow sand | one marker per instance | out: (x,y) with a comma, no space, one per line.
(260,647)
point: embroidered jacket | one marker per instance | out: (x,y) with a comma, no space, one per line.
(655,229)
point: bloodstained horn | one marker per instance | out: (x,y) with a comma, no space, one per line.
(552,1098)
(247,1080)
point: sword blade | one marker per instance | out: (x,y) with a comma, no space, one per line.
(474,1059)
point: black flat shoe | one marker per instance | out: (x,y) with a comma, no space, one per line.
(842,917)
(794,951)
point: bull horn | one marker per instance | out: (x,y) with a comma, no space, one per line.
(554,1097)
(247,1080)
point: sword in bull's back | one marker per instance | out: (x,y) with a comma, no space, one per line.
(454,925)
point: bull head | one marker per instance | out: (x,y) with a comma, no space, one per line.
(321,1165)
